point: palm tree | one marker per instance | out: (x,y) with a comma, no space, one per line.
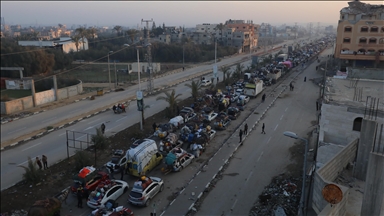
(238,71)
(82,32)
(92,32)
(32,173)
(99,139)
(132,34)
(76,39)
(118,29)
(225,70)
(195,86)
(172,100)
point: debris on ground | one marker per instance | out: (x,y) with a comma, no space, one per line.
(280,198)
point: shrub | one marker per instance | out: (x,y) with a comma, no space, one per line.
(82,159)
(32,173)
(99,140)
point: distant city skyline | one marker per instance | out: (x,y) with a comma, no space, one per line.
(183,13)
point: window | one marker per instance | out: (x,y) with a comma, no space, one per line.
(347,40)
(374,29)
(363,40)
(381,41)
(361,51)
(357,124)
(364,29)
(348,29)
(382,29)
(372,40)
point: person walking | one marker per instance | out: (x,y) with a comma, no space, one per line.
(122,170)
(80,197)
(246,129)
(305,79)
(102,127)
(45,162)
(241,135)
(263,97)
(154,127)
(38,162)
(262,129)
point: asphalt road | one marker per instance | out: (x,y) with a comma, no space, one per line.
(264,156)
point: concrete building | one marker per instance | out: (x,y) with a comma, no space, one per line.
(350,152)
(248,29)
(66,44)
(165,38)
(206,28)
(360,35)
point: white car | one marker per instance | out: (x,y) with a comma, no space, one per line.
(209,117)
(206,82)
(118,159)
(239,91)
(245,98)
(144,190)
(98,199)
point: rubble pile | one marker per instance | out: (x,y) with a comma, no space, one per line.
(280,198)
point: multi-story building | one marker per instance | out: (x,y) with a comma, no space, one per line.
(249,31)
(360,35)
(206,28)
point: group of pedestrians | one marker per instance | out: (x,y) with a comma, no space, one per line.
(42,162)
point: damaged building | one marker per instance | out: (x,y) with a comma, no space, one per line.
(350,152)
(360,35)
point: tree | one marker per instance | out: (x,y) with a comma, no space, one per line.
(32,173)
(99,140)
(238,71)
(194,86)
(76,40)
(132,34)
(118,29)
(225,70)
(92,32)
(82,32)
(171,99)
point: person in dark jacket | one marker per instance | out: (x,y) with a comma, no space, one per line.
(80,197)
(241,135)
(45,162)
(38,162)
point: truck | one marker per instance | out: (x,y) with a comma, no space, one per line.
(253,89)
(275,75)
(282,58)
(143,157)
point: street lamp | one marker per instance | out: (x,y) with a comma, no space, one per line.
(294,136)
(139,95)
(109,70)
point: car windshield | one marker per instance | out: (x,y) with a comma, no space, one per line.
(135,194)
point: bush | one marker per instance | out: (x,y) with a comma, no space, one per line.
(32,173)
(100,141)
(82,159)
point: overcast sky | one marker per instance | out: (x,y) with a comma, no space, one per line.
(130,13)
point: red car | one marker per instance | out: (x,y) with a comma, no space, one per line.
(89,179)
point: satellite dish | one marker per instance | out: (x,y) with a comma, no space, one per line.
(332,193)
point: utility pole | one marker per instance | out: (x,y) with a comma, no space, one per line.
(149,57)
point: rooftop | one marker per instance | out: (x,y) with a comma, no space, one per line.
(342,92)
(357,7)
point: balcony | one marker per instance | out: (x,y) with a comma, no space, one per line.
(360,55)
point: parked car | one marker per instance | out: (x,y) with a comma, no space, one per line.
(245,98)
(88,178)
(118,159)
(144,190)
(206,83)
(209,117)
(233,112)
(111,209)
(234,98)
(98,199)
(239,91)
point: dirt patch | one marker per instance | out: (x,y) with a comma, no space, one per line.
(231,174)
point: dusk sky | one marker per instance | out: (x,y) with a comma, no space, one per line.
(130,13)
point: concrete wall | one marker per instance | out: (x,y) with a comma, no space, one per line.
(336,124)
(18,105)
(368,130)
(374,186)
(366,73)
(327,174)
